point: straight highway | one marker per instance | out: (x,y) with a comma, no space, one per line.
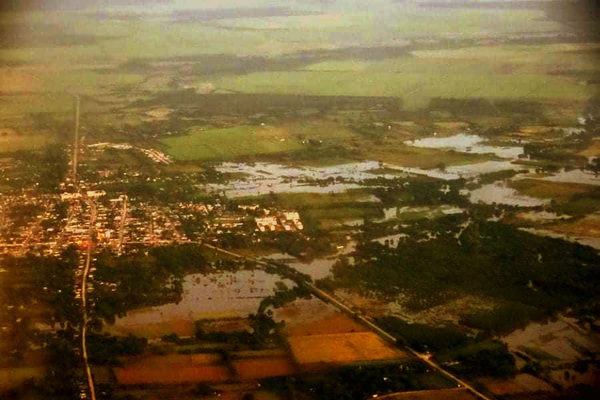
(328,298)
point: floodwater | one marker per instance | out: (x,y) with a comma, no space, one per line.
(575,176)
(562,339)
(392,240)
(585,240)
(318,268)
(264,178)
(500,193)
(463,171)
(466,144)
(388,214)
(208,296)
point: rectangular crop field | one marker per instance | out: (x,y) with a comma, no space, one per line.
(341,348)
(261,368)
(172,369)
(171,376)
(550,190)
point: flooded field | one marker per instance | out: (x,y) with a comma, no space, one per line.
(219,295)
(263,178)
(559,341)
(575,176)
(318,268)
(313,317)
(467,144)
(501,193)
(259,179)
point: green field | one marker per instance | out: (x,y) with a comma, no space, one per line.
(90,59)
(318,200)
(518,71)
(229,143)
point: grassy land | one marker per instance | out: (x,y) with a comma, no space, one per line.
(91,57)
(328,209)
(319,200)
(417,88)
(549,190)
(24,142)
(229,143)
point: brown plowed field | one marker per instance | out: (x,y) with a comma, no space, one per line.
(133,375)
(260,368)
(173,369)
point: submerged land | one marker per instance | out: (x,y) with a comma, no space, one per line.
(322,200)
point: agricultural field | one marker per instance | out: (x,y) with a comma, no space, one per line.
(10,141)
(319,350)
(172,369)
(262,368)
(229,143)
(549,190)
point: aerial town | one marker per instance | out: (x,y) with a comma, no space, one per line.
(318,200)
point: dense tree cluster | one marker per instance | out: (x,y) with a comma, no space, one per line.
(472,356)
(480,258)
(136,280)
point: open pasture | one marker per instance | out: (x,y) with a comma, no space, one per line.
(549,190)
(13,142)
(229,143)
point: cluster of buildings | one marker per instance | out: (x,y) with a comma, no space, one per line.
(288,221)
(153,154)
(25,220)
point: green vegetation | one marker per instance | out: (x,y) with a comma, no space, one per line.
(229,143)
(54,283)
(559,191)
(581,204)
(416,88)
(137,280)
(502,319)
(483,258)
(105,349)
(362,381)
(11,143)
(471,356)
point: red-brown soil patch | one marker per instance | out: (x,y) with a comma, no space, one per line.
(260,368)
(133,375)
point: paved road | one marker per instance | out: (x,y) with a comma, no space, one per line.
(364,319)
(84,279)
